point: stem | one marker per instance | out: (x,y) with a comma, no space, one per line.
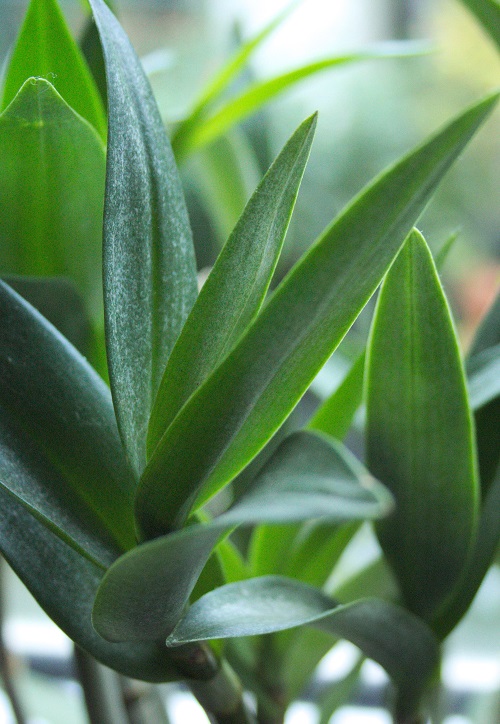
(102,690)
(212,682)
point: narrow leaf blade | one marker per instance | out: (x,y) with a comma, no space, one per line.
(236,411)
(149,269)
(488,14)
(419,431)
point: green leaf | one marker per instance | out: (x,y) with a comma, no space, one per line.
(488,14)
(64,584)
(335,415)
(443,252)
(236,287)
(149,268)
(206,130)
(236,411)
(143,594)
(339,693)
(91,48)
(52,167)
(62,452)
(419,431)
(397,640)
(46,49)
(488,332)
(484,377)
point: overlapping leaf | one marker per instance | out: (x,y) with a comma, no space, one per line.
(233,293)
(143,594)
(46,49)
(233,414)
(149,270)
(61,450)
(419,432)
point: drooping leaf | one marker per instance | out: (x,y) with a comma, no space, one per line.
(235,289)
(60,427)
(149,269)
(46,49)
(64,584)
(483,371)
(335,415)
(420,433)
(52,167)
(204,130)
(397,640)
(236,411)
(488,14)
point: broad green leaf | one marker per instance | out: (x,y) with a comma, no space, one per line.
(236,411)
(207,129)
(143,594)
(52,167)
(223,78)
(61,421)
(236,287)
(57,300)
(419,432)
(335,415)
(488,14)
(149,268)
(483,371)
(64,584)
(45,49)
(397,640)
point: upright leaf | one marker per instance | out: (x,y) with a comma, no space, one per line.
(419,432)
(488,14)
(233,414)
(149,269)
(46,49)
(233,293)
(52,167)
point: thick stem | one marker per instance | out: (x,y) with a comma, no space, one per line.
(213,683)
(102,690)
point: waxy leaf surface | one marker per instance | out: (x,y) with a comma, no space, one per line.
(235,289)
(240,406)
(419,432)
(149,270)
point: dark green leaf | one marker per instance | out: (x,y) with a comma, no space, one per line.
(233,293)
(52,167)
(45,49)
(419,431)
(64,584)
(488,14)
(236,411)
(397,640)
(149,269)
(335,415)
(61,429)
(92,52)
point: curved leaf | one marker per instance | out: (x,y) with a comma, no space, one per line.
(488,14)
(240,406)
(52,167)
(235,289)
(46,49)
(60,418)
(397,640)
(149,269)
(419,431)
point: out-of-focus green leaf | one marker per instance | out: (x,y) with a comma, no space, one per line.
(225,174)
(419,432)
(61,420)
(338,693)
(223,78)
(444,250)
(236,411)
(91,48)
(488,14)
(46,49)
(57,300)
(335,415)
(397,640)
(488,332)
(483,371)
(64,584)
(52,167)
(149,268)
(233,293)
(207,129)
